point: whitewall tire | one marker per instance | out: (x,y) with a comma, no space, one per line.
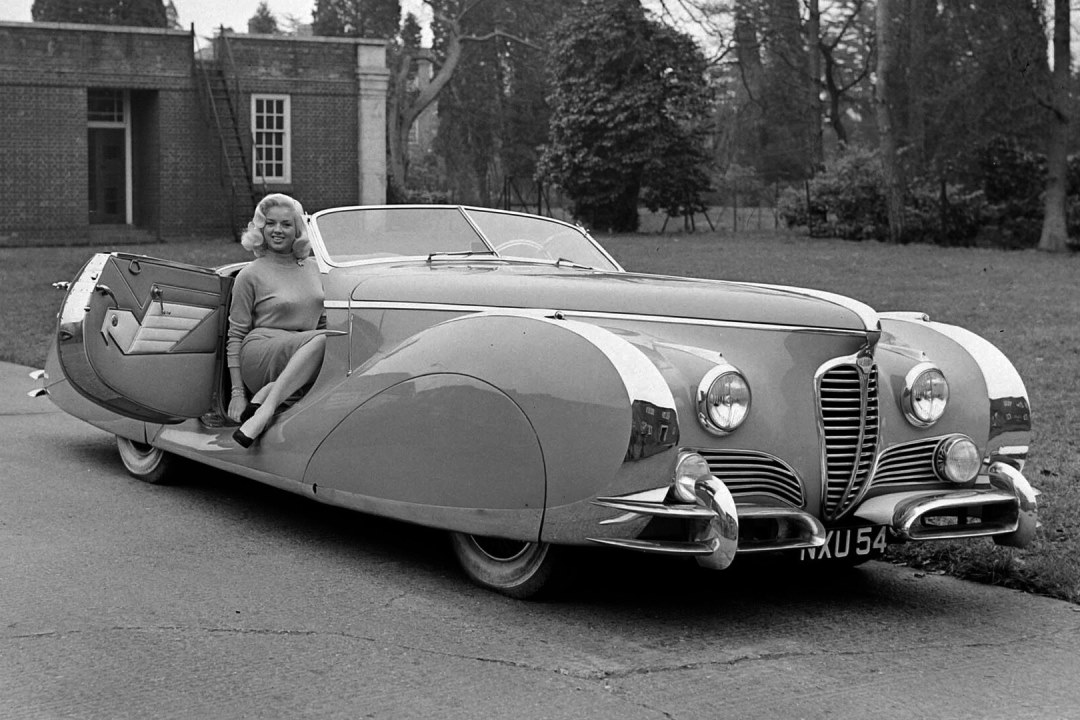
(518,569)
(145,462)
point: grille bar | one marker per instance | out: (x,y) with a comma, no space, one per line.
(912,462)
(848,407)
(746,472)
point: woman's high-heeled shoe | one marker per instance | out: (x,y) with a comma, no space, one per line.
(241,439)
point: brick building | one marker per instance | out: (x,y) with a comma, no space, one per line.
(114,134)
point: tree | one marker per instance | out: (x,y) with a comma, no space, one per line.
(356,18)
(137,13)
(493,113)
(1055,236)
(626,91)
(407,101)
(887,28)
(263,21)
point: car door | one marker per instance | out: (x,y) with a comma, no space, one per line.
(143,337)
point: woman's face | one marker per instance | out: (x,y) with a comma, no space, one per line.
(280,230)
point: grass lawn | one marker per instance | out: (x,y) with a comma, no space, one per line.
(1026,303)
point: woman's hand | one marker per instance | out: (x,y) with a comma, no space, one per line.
(236,407)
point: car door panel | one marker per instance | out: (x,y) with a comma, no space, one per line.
(142,337)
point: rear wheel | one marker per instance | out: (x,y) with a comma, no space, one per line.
(145,462)
(512,567)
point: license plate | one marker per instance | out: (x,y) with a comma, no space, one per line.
(843,543)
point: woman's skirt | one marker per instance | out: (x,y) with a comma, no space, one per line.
(266,351)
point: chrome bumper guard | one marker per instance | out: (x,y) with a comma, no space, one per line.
(716,520)
(1007,510)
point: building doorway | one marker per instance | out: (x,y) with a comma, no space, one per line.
(109,156)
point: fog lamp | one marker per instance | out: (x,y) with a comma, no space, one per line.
(957,459)
(688,470)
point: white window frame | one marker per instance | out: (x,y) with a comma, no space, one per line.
(286,142)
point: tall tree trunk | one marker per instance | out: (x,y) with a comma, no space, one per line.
(813,32)
(749,92)
(886,69)
(1055,235)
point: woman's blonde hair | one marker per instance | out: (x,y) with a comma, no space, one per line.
(252,239)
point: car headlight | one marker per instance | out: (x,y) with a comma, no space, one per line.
(688,470)
(957,459)
(925,395)
(723,399)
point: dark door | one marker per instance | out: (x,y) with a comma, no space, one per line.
(143,337)
(108,189)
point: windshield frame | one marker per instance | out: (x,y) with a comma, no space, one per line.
(326,262)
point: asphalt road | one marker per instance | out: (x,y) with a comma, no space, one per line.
(220,598)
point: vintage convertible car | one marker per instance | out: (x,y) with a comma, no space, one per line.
(500,376)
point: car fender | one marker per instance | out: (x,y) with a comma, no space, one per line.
(1005,409)
(539,411)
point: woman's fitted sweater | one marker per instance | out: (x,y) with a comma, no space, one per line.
(273,291)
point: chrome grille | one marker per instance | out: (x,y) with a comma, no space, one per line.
(746,472)
(848,402)
(911,462)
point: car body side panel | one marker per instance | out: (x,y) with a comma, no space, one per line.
(446,441)
(565,386)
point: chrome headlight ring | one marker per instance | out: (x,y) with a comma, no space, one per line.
(723,399)
(925,395)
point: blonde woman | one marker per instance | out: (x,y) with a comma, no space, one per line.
(275,342)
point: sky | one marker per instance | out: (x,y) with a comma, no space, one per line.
(207,15)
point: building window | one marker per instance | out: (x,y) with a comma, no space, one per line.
(271,138)
(105,108)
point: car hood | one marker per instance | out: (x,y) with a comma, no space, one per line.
(515,285)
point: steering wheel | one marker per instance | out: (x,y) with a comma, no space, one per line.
(539,250)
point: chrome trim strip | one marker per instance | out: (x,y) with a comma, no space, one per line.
(660,547)
(682,512)
(572,314)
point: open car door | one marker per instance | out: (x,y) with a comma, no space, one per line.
(143,337)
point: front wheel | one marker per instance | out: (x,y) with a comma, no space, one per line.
(145,462)
(512,567)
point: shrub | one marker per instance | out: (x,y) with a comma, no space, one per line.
(1001,207)
(846,200)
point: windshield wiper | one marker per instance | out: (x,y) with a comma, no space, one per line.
(457,253)
(570,263)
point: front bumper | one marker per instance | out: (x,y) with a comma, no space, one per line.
(1006,511)
(719,529)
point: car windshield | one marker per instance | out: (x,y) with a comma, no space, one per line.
(357,234)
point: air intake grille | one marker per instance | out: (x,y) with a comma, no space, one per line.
(745,473)
(848,400)
(911,462)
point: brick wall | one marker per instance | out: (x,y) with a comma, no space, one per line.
(179,183)
(43,171)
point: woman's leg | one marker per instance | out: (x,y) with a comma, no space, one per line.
(260,396)
(301,369)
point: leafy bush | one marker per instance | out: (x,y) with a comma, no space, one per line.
(846,200)
(1001,207)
